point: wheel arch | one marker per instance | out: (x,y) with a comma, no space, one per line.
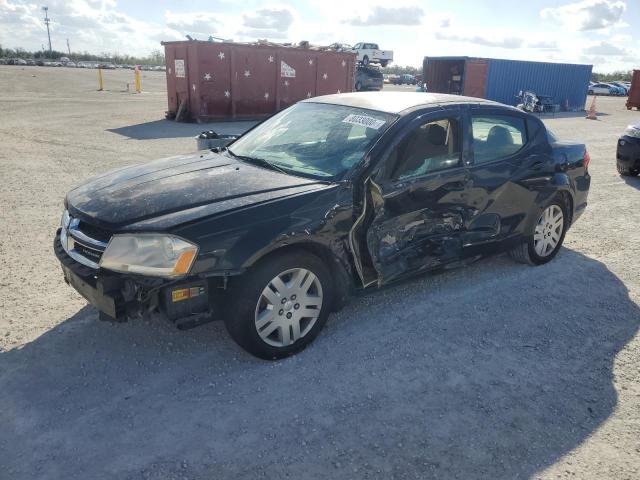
(337,262)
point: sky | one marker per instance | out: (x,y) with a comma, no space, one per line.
(597,32)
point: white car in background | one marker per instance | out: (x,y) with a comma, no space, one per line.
(602,89)
(370,53)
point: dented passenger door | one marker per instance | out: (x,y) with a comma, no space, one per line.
(418,199)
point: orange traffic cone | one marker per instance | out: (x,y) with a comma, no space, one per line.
(591,114)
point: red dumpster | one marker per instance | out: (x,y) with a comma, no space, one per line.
(634,92)
(214,80)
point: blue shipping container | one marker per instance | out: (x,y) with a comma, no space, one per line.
(501,80)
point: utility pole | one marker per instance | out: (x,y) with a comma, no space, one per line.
(46,21)
(68,48)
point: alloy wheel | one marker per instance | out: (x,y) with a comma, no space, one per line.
(548,230)
(288,307)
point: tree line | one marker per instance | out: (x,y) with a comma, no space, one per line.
(156,57)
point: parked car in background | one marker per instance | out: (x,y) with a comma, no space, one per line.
(368,78)
(628,151)
(404,79)
(334,194)
(621,85)
(602,89)
(370,53)
(531,102)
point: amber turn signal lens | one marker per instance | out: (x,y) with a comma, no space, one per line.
(183,265)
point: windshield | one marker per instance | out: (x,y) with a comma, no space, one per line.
(314,139)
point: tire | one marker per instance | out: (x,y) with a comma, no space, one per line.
(590,92)
(627,172)
(358,86)
(529,251)
(248,306)
(365,60)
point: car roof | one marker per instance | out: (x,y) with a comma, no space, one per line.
(397,102)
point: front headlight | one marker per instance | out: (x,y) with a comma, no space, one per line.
(149,254)
(632,131)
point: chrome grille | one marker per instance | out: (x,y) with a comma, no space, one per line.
(79,245)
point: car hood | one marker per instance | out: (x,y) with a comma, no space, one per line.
(174,190)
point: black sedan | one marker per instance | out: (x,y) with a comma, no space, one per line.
(332,195)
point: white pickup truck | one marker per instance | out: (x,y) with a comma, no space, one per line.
(370,53)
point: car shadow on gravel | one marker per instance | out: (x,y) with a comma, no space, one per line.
(493,371)
(169,129)
(632,181)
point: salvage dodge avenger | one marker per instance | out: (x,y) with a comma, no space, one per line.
(334,194)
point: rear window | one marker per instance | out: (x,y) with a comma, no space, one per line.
(497,136)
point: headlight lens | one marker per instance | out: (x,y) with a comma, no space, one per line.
(632,131)
(149,254)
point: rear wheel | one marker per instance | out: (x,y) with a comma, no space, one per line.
(358,86)
(547,237)
(628,172)
(282,305)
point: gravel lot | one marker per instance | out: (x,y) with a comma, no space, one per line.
(496,371)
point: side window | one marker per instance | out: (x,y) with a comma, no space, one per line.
(429,148)
(497,136)
(374,46)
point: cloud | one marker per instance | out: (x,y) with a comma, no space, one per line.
(195,23)
(389,16)
(90,25)
(605,48)
(587,14)
(269,19)
(485,40)
(548,45)
(270,22)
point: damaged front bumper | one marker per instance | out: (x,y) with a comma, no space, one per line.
(185,302)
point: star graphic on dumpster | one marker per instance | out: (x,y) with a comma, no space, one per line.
(311,61)
(221,55)
(270,58)
(325,76)
(207,76)
(338,91)
(308,94)
(194,87)
(266,95)
(247,73)
(344,64)
(286,83)
(227,93)
(169,70)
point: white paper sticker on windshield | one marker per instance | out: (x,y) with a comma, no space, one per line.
(364,120)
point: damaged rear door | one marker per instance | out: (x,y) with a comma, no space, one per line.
(417,199)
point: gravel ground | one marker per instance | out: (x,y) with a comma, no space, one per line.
(496,371)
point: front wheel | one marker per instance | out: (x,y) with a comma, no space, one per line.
(365,60)
(282,305)
(547,237)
